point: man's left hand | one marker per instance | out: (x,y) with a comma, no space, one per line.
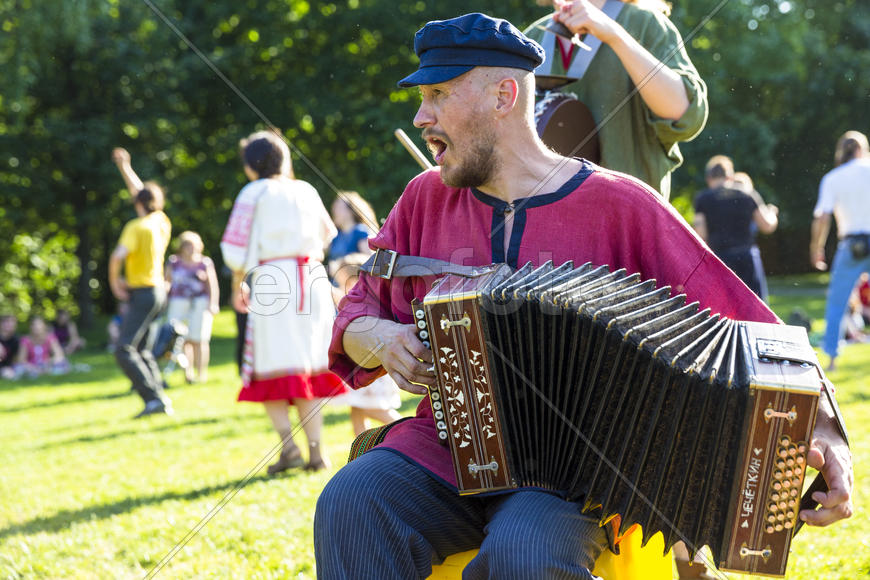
(830,455)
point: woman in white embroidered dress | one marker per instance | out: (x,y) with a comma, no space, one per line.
(275,238)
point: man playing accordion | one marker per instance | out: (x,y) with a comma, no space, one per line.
(498,195)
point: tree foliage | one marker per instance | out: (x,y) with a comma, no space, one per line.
(179,83)
(38,276)
(784,80)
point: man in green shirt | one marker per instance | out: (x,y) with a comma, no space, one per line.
(637,80)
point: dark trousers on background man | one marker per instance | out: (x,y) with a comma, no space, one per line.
(138,332)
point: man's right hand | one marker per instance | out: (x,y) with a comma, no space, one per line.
(817,259)
(405,358)
(372,341)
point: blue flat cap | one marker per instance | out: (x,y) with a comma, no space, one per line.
(449,48)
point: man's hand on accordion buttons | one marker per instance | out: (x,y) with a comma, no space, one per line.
(830,455)
(405,358)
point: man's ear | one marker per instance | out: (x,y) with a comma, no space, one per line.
(507,91)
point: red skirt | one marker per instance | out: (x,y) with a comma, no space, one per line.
(289,387)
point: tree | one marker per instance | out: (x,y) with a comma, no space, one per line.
(783,86)
(179,83)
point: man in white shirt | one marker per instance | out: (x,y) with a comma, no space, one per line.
(843,194)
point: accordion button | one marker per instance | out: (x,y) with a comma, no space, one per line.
(424,335)
(798,470)
(802,449)
(421,324)
(441,425)
(771,518)
(800,460)
(769,529)
(782,505)
(779,527)
(426,344)
(436,405)
(439,415)
(420,314)
(789,514)
(442,435)
(794,492)
(772,508)
(788,525)
(774,497)
(435,395)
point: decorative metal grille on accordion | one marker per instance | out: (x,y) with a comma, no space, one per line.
(625,398)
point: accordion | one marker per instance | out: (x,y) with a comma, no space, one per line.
(613,392)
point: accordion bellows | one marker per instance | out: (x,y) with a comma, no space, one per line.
(613,392)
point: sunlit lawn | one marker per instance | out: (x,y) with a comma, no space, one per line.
(87,492)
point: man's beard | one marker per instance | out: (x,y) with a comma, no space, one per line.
(478,166)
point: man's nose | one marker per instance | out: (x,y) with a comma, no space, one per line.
(424,117)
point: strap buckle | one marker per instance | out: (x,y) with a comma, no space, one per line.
(383,263)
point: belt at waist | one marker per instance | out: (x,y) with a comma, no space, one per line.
(299,259)
(301,263)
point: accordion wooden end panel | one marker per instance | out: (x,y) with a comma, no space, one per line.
(626,399)
(463,390)
(783,405)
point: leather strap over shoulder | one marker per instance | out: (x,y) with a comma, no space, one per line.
(388,264)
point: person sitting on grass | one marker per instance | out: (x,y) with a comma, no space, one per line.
(9,346)
(67,333)
(40,352)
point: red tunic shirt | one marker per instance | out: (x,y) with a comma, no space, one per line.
(599,216)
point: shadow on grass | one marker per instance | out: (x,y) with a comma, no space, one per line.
(66,401)
(167,427)
(79,377)
(63,519)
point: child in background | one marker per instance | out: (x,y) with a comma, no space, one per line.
(855,318)
(67,333)
(863,291)
(380,399)
(193,300)
(9,345)
(40,352)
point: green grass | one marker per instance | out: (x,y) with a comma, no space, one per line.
(86,492)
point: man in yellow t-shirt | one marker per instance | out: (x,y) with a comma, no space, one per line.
(140,253)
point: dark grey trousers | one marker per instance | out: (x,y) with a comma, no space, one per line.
(138,332)
(384,517)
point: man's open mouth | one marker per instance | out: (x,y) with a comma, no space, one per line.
(437,147)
